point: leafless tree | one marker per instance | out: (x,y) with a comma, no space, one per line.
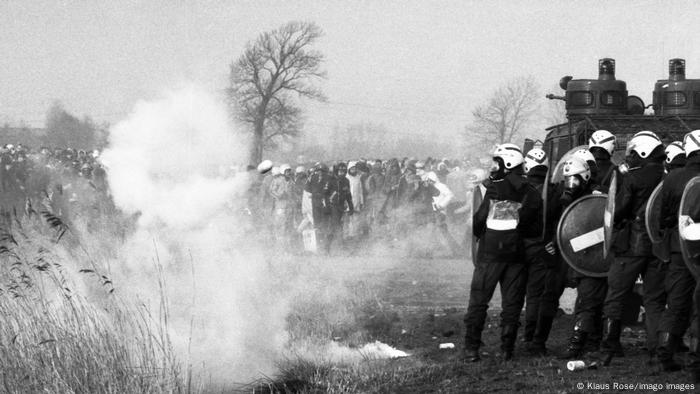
(506,114)
(275,70)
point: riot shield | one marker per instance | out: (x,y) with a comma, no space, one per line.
(689,225)
(477,198)
(545,194)
(609,215)
(580,236)
(558,170)
(652,213)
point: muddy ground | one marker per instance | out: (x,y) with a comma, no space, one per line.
(420,304)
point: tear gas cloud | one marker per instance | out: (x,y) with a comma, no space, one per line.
(228,295)
(163,164)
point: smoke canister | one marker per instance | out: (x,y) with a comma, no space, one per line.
(576,365)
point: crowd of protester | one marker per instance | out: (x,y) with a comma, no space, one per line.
(50,180)
(337,206)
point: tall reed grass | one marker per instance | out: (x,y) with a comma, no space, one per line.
(59,335)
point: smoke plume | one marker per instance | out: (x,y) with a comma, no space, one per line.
(190,252)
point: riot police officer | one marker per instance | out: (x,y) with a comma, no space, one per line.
(680,283)
(675,156)
(632,246)
(503,219)
(590,290)
(538,260)
(602,145)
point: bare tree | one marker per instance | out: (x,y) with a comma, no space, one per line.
(507,113)
(265,82)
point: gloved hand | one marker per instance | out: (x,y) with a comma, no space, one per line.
(550,248)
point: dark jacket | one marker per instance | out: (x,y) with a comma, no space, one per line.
(630,235)
(536,177)
(316,185)
(671,193)
(337,193)
(506,246)
(606,168)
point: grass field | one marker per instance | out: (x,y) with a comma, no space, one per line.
(415,305)
(55,340)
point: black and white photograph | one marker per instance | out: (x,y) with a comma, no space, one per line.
(309,196)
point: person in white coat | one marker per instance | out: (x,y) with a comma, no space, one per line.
(442,196)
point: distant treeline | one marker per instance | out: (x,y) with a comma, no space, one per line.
(61,130)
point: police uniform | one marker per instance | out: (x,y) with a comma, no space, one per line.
(550,272)
(500,260)
(679,282)
(633,256)
(539,262)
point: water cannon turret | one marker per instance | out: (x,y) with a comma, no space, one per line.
(677,95)
(602,96)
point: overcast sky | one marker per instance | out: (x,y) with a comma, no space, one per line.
(409,65)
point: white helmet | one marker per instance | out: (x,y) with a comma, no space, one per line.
(300,169)
(284,168)
(577,166)
(510,154)
(264,166)
(275,171)
(584,154)
(535,157)
(691,142)
(674,149)
(602,139)
(643,143)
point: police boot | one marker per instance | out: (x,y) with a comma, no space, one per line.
(576,342)
(694,360)
(472,342)
(594,338)
(544,326)
(529,331)
(611,337)
(509,334)
(668,343)
(470,355)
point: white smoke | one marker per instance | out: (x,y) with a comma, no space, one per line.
(164,165)
(337,353)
